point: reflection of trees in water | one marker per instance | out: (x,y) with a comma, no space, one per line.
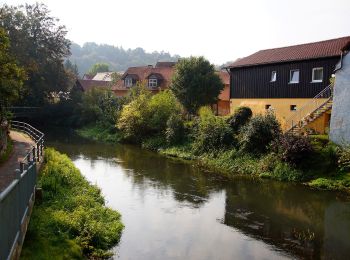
(287,216)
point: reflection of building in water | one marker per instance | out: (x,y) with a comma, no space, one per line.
(288,219)
(337,231)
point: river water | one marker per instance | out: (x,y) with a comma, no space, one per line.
(175,210)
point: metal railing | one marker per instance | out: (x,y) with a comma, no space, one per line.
(16,199)
(309,108)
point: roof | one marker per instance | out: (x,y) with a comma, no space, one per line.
(314,50)
(165,64)
(105,76)
(144,72)
(88,84)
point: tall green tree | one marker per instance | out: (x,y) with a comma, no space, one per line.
(98,67)
(11,75)
(195,83)
(39,44)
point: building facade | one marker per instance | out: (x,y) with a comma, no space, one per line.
(286,79)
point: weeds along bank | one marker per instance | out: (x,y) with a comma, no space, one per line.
(71,221)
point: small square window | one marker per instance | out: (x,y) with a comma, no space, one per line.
(293,107)
(273,76)
(317,74)
(294,76)
(267,107)
(152,83)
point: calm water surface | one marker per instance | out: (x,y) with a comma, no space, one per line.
(173,210)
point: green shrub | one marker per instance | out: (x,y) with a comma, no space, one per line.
(154,143)
(284,172)
(213,133)
(175,129)
(240,117)
(257,135)
(344,158)
(293,149)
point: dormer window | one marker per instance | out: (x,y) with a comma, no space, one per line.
(152,82)
(128,82)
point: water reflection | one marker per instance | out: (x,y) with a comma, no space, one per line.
(172,210)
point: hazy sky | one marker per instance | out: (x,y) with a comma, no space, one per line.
(220,30)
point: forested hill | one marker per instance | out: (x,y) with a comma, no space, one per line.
(117,58)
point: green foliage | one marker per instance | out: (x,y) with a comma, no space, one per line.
(293,149)
(195,83)
(147,115)
(213,133)
(98,67)
(154,143)
(7,152)
(119,59)
(100,106)
(257,135)
(72,213)
(175,129)
(100,133)
(285,172)
(344,158)
(11,75)
(40,47)
(240,117)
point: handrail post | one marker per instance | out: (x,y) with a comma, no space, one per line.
(21,167)
(34,154)
(38,151)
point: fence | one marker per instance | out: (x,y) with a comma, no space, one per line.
(17,199)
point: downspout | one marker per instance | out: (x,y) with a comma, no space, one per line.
(341,63)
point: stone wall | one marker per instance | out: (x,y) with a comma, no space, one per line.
(340,119)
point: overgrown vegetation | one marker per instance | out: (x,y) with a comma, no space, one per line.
(71,221)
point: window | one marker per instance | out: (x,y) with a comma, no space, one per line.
(152,83)
(294,76)
(293,107)
(267,107)
(317,74)
(128,82)
(273,76)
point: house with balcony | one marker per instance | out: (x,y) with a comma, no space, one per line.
(292,81)
(156,78)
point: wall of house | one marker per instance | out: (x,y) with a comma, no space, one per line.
(254,81)
(280,106)
(340,120)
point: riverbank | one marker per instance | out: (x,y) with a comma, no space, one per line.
(321,171)
(70,221)
(100,133)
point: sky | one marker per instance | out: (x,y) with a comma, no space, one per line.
(220,30)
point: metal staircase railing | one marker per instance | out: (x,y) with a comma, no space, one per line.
(299,117)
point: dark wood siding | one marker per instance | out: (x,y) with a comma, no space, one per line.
(254,82)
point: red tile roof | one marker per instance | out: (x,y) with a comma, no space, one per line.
(314,50)
(87,84)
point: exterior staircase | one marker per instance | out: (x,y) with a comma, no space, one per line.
(311,111)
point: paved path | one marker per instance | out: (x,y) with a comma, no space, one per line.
(21,145)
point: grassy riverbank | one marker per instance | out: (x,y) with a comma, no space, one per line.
(100,133)
(71,221)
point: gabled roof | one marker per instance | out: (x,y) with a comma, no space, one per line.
(85,84)
(144,72)
(161,64)
(314,50)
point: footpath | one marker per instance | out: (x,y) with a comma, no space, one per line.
(21,145)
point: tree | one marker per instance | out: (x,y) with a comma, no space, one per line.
(195,83)
(72,68)
(40,46)
(11,75)
(98,67)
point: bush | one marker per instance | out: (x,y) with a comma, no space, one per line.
(284,172)
(293,149)
(344,158)
(175,129)
(213,133)
(154,143)
(240,117)
(257,135)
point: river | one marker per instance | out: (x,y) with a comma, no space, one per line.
(175,210)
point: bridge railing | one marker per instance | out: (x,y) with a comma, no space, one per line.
(16,200)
